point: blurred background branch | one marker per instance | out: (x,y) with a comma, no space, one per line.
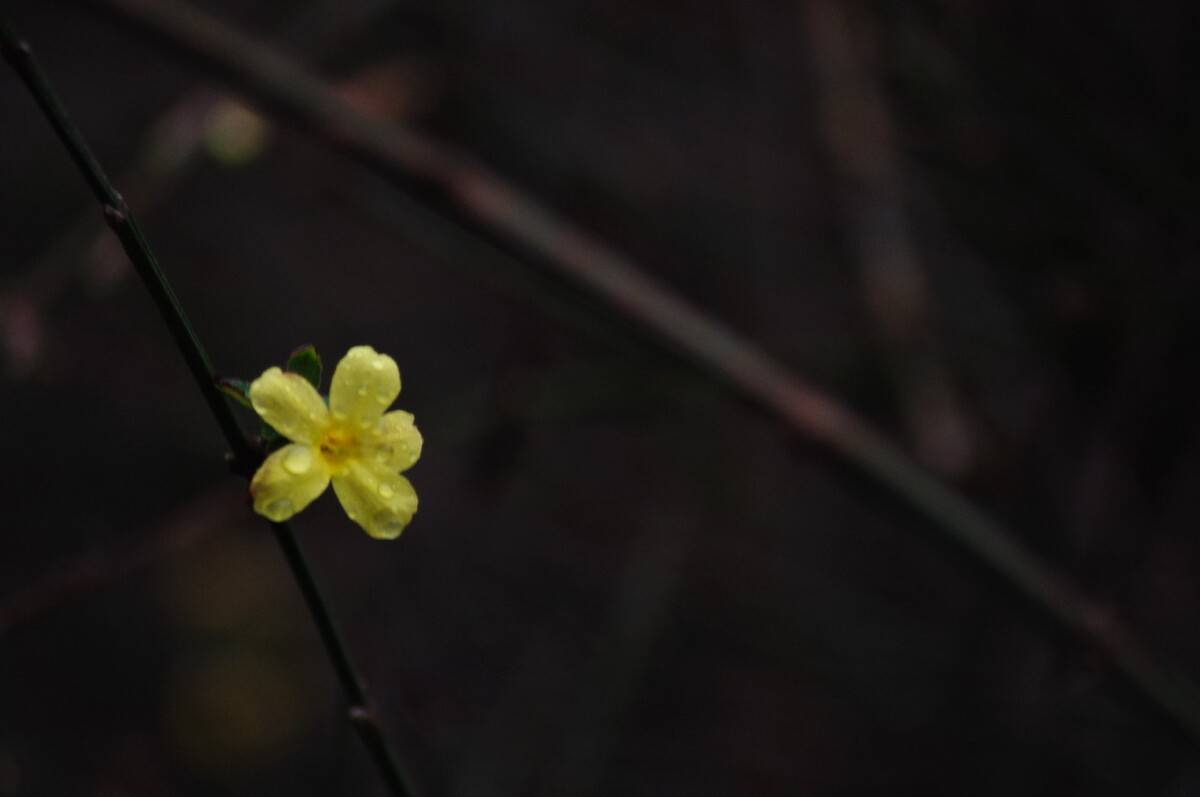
(866,171)
(94,570)
(487,205)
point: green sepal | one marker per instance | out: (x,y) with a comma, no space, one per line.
(306,362)
(236,389)
(269,438)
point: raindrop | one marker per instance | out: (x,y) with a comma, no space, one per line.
(280,506)
(377,365)
(386,491)
(388,524)
(298,460)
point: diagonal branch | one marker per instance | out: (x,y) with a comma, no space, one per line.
(245,456)
(469,194)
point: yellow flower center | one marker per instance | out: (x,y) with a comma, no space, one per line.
(338,446)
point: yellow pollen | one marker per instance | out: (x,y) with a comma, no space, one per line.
(337,446)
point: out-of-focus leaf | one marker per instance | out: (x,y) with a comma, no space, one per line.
(235,135)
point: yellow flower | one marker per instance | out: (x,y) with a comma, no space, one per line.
(352,443)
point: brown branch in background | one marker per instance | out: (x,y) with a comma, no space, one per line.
(860,137)
(89,572)
(85,250)
(488,206)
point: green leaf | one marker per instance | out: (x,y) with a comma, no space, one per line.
(236,389)
(306,362)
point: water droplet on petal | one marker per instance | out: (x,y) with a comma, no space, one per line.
(388,524)
(384,452)
(386,491)
(362,391)
(298,460)
(381,399)
(280,506)
(377,365)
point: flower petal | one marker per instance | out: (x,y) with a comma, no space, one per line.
(395,441)
(288,481)
(290,404)
(379,500)
(365,383)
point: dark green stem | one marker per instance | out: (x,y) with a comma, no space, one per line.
(360,711)
(245,455)
(119,218)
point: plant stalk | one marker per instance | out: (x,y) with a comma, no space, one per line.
(245,457)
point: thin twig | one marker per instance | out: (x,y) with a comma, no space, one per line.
(481,202)
(244,457)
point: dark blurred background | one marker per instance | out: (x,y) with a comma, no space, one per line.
(968,219)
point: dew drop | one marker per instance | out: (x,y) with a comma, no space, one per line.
(377,365)
(384,452)
(388,524)
(362,391)
(298,460)
(386,491)
(280,506)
